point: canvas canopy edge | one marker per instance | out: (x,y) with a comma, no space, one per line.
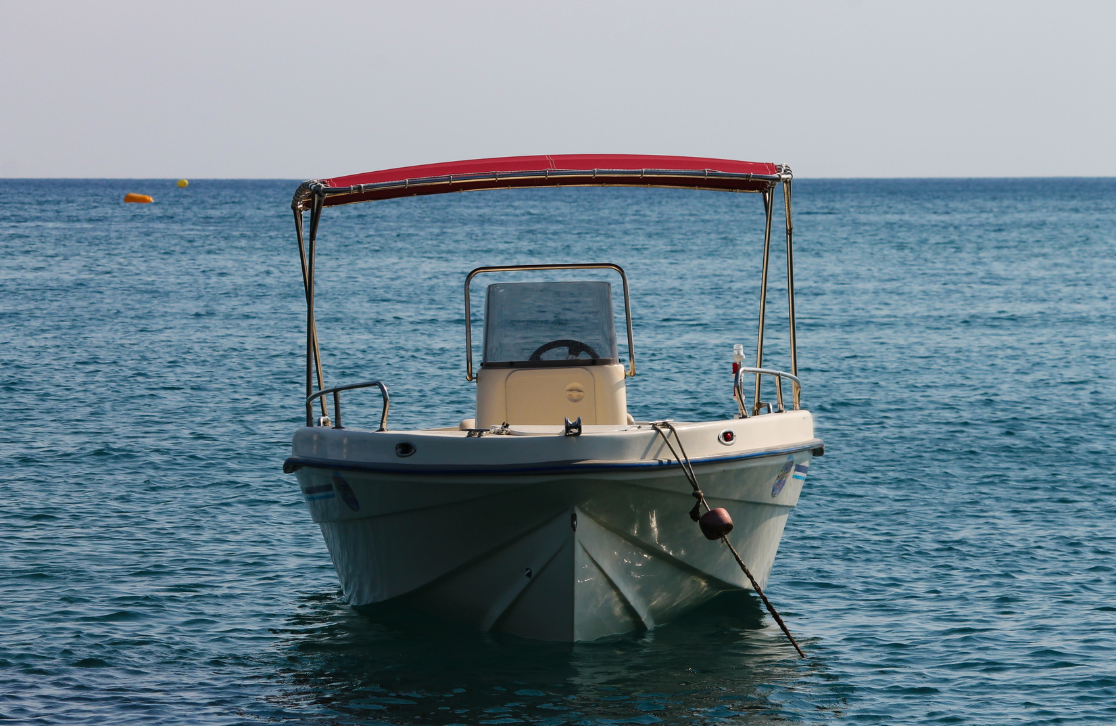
(544,171)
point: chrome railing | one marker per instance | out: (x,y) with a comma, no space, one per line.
(778,376)
(336,391)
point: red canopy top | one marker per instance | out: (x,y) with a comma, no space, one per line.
(547,171)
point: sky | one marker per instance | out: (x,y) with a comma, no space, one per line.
(844,88)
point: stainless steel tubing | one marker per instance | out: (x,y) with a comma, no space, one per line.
(312,358)
(767,203)
(336,391)
(738,388)
(796,385)
(314,331)
(306,294)
(790,276)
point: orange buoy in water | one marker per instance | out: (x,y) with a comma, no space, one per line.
(138,199)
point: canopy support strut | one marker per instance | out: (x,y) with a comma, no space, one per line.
(313,353)
(790,283)
(767,207)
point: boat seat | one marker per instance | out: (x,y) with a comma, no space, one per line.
(596,393)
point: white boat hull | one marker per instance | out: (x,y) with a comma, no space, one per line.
(557,542)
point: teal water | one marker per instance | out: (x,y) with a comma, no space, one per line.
(951,560)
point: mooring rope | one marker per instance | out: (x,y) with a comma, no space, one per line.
(695,514)
(687,469)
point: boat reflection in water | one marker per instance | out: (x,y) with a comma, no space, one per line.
(390,664)
(552,514)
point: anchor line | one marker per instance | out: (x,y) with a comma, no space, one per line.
(688,470)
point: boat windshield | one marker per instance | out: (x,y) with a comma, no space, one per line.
(541,322)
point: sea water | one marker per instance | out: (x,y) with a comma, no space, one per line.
(951,559)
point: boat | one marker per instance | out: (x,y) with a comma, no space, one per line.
(552,513)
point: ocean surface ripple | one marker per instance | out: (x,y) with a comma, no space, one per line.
(951,560)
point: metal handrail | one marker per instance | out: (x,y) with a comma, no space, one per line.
(738,386)
(336,391)
(526,268)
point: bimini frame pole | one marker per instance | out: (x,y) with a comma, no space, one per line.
(790,283)
(313,353)
(767,205)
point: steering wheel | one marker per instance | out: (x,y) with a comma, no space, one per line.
(574,348)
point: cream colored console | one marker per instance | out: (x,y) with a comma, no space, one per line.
(550,395)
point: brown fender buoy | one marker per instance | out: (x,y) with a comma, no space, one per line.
(715,523)
(137,199)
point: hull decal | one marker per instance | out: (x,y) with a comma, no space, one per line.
(346,492)
(315,493)
(781,479)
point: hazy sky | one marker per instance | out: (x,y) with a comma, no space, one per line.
(312,89)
